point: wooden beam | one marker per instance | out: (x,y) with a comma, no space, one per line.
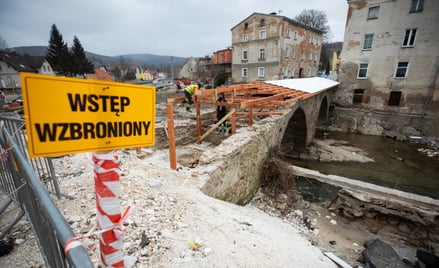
(172,153)
(216,125)
(175,100)
(198,117)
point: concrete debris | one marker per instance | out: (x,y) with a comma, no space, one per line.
(381,255)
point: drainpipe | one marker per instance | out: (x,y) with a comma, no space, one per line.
(430,90)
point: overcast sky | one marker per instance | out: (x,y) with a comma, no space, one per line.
(182,28)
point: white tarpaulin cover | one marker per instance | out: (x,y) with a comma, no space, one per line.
(309,85)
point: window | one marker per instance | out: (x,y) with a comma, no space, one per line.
(287,52)
(358,96)
(373,13)
(368,40)
(245,55)
(262,34)
(294,54)
(285,72)
(292,72)
(262,22)
(401,69)
(295,35)
(261,72)
(244,72)
(394,98)
(262,53)
(409,38)
(362,70)
(310,56)
(302,56)
(311,40)
(246,26)
(417,6)
(288,33)
(244,37)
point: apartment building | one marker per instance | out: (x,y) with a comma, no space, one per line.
(269,46)
(390,61)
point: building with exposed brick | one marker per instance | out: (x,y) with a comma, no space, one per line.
(222,62)
(390,62)
(268,46)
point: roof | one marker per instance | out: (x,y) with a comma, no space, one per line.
(289,20)
(100,75)
(267,94)
(16,61)
(309,85)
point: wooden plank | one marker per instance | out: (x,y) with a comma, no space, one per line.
(175,100)
(337,260)
(172,153)
(216,125)
(198,117)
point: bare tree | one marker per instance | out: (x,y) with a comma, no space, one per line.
(3,44)
(317,20)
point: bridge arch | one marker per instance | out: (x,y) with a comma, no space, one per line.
(322,118)
(294,140)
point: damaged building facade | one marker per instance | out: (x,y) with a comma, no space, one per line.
(269,46)
(389,68)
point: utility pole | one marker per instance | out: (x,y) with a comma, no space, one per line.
(172,71)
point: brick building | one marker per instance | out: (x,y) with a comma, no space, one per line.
(268,46)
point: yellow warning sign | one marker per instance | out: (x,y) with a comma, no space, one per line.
(71,115)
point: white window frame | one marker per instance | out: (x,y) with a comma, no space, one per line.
(361,67)
(398,68)
(287,52)
(261,72)
(244,72)
(244,37)
(294,54)
(285,72)
(292,72)
(417,6)
(373,13)
(262,34)
(261,53)
(310,56)
(245,55)
(409,38)
(368,42)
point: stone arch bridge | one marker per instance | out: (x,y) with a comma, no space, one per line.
(290,109)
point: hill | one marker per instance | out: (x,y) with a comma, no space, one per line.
(98,60)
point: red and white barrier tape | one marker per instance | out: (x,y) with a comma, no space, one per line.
(109,217)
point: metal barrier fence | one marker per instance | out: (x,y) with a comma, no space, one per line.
(20,182)
(42,166)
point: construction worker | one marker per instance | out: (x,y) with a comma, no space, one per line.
(221,111)
(189,91)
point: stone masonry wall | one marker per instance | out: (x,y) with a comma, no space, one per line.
(238,161)
(398,126)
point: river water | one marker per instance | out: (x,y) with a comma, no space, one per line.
(398,164)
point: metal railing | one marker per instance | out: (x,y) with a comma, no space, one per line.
(23,186)
(42,166)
